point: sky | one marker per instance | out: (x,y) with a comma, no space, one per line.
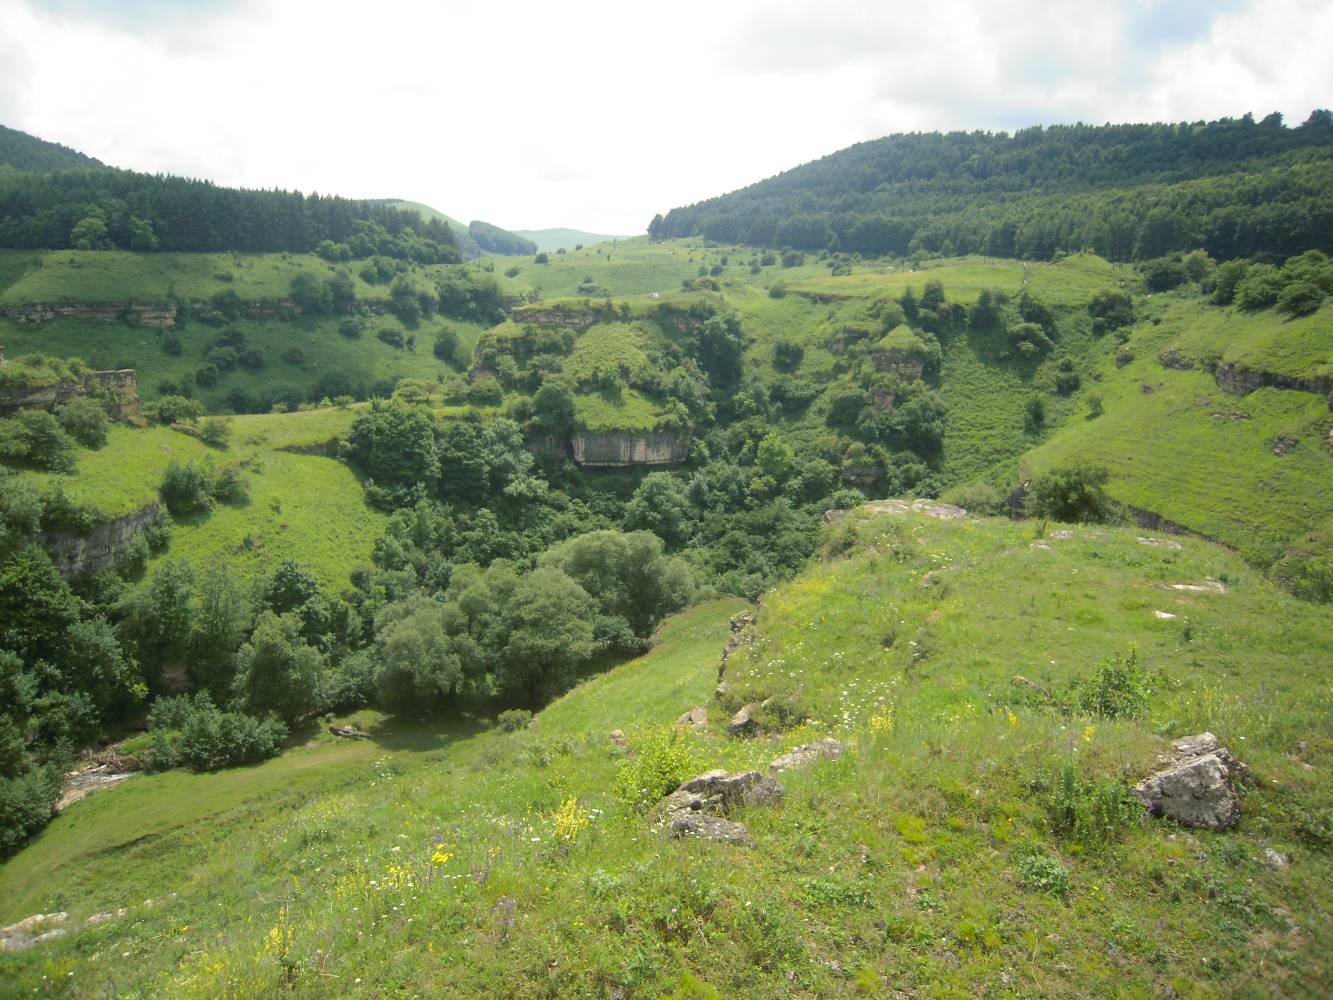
(597,115)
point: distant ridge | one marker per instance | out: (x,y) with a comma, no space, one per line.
(28,153)
(554,239)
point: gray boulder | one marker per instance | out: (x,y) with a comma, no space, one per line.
(695,718)
(745,788)
(743,722)
(1197,787)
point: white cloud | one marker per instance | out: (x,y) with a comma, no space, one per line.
(597,115)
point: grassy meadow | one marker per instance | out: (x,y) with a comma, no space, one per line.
(446,858)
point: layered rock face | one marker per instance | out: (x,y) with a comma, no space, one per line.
(621,448)
(102,548)
(123,382)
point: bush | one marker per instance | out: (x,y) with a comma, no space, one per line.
(185,489)
(211,739)
(514,719)
(34,437)
(1300,298)
(352,327)
(392,337)
(228,486)
(663,759)
(27,803)
(215,431)
(84,421)
(174,410)
(1072,494)
(1118,690)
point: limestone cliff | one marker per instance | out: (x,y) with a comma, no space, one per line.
(121,385)
(102,548)
(614,449)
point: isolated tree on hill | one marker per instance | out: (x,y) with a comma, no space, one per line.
(395,443)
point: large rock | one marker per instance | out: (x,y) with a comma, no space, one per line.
(743,722)
(32,930)
(698,824)
(1197,787)
(825,749)
(745,788)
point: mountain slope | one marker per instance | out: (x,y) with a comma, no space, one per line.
(26,152)
(1233,186)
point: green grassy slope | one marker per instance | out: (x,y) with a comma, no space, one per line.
(305,507)
(1179,446)
(428,861)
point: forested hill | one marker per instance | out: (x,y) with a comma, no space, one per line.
(1130,192)
(120,209)
(26,152)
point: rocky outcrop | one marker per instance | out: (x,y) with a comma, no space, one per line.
(931,508)
(1240,381)
(33,930)
(743,724)
(102,548)
(1197,787)
(573,319)
(159,314)
(699,807)
(121,386)
(898,363)
(616,449)
(825,749)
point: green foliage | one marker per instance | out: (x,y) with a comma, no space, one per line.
(1091,810)
(493,239)
(511,720)
(210,739)
(83,420)
(276,671)
(1233,186)
(27,803)
(215,431)
(1075,493)
(661,505)
(1043,873)
(185,489)
(36,438)
(660,760)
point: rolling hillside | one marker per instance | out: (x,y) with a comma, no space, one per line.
(554,239)
(26,152)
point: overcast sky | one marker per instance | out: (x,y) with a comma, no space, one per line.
(597,115)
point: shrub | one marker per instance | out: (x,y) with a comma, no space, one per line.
(27,803)
(36,438)
(84,421)
(185,489)
(215,431)
(1300,298)
(1118,690)
(211,739)
(228,486)
(663,759)
(174,409)
(514,719)
(392,337)
(1073,494)
(1110,310)
(1087,809)
(352,327)
(1260,287)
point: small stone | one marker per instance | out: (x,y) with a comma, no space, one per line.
(694,718)
(1165,616)
(1275,860)
(1192,746)
(101,918)
(618,740)
(697,824)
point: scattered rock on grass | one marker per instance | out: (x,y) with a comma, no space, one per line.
(1197,788)
(695,718)
(618,740)
(1275,860)
(698,824)
(743,722)
(1160,543)
(826,749)
(32,930)
(1165,616)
